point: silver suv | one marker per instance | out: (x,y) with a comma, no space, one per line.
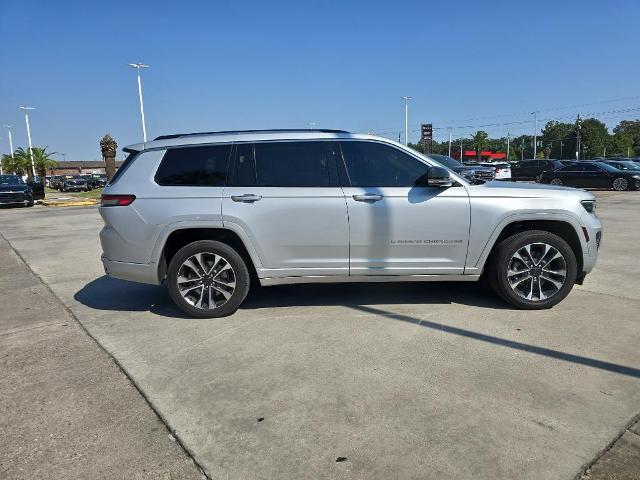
(209,213)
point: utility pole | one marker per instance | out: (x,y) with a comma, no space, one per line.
(406,119)
(561,145)
(8,127)
(26,119)
(449,143)
(535,133)
(508,139)
(578,138)
(138,66)
(522,149)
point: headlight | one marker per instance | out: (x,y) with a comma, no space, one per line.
(589,205)
(637,177)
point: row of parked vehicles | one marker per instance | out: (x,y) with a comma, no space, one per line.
(605,173)
(76,183)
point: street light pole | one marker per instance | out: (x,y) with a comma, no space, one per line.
(406,119)
(535,134)
(508,139)
(138,66)
(449,143)
(26,119)
(8,127)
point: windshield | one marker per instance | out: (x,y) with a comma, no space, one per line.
(446,161)
(625,165)
(607,167)
(10,180)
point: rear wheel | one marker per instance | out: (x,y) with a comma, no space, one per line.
(207,279)
(533,270)
(620,184)
(556,181)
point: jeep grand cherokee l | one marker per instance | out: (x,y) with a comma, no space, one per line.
(208,212)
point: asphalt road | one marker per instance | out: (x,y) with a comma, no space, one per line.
(397,380)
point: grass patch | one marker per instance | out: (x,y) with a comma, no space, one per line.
(95,193)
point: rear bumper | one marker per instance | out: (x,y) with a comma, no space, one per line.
(134,272)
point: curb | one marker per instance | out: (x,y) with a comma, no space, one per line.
(78,203)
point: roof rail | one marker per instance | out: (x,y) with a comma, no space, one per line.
(231,132)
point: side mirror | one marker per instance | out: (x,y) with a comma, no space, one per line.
(438,177)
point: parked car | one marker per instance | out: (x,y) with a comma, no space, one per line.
(502,170)
(37,187)
(531,169)
(593,174)
(473,175)
(208,212)
(75,183)
(60,180)
(98,180)
(14,191)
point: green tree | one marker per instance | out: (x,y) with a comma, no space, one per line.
(557,137)
(42,160)
(19,163)
(480,142)
(631,128)
(594,137)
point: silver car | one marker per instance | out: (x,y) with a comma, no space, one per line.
(209,213)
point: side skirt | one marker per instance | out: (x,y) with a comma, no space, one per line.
(265,282)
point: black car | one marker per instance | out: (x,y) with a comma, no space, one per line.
(37,187)
(75,183)
(13,191)
(531,169)
(593,175)
(477,174)
(98,180)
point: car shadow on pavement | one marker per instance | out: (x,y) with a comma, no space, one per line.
(107,293)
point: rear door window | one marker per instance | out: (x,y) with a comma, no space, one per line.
(200,166)
(286,164)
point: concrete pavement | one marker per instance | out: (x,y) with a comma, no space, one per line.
(67,411)
(395,381)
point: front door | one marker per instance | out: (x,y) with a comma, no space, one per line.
(395,227)
(284,197)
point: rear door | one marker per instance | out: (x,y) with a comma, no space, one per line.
(284,197)
(395,227)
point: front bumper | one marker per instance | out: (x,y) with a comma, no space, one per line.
(14,198)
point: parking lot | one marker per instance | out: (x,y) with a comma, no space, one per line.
(370,381)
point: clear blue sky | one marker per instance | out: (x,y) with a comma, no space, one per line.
(236,65)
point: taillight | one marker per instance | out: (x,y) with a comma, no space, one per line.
(116,200)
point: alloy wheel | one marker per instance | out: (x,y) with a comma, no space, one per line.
(206,280)
(556,181)
(620,184)
(537,271)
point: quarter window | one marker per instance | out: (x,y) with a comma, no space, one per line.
(371,164)
(203,166)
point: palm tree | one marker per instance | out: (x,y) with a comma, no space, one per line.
(17,163)
(480,142)
(42,160)
(109,148)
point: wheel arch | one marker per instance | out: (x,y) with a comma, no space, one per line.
(180,237)
(564,228)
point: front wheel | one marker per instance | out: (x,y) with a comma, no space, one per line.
(620,184)
(532,270)
(556,181)
(207,279)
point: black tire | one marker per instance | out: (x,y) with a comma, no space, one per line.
(30,203)
(617,182)
(240,270)
(499,265)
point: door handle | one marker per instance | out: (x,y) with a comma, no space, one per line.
(246,198)
(368,197)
